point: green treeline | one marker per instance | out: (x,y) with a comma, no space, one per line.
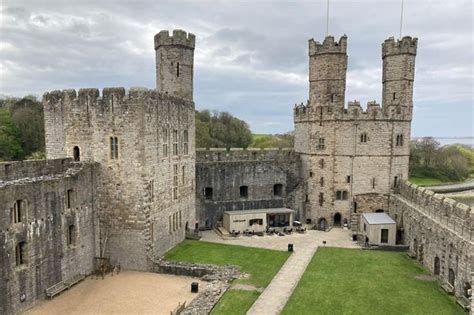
(21,129)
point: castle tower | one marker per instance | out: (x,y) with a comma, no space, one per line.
(174,63)
(398,76)
(327,72)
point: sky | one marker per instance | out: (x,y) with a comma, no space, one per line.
(251,57)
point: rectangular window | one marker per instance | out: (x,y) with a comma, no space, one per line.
(321,181)
(114,148)
(395,181)
(365,227)
(20,253)
(70,237)
(399,142)
(169,224)
(255,222)
(183,176)
(69,198)
(373,182)
(165,142)
(185,142)
(321,199)
(321,145)
(174,222)
(175,142)
(175,182)
(348,179)
(363,138)
(180,224)
(338,195)
(208,193)
(306,198)
(244,191)
(17,215)
(310,174)
(384,236)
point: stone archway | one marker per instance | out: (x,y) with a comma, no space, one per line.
(451,277)
(322,224)
(337,219)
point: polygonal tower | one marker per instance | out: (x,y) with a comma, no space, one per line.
(398,76)
(174,63)
(327,72)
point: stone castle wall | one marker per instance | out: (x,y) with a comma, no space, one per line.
(136,186)
(260,170)
(45,217)
(440,233)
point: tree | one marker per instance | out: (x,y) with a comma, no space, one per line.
(221,130)
(10,146)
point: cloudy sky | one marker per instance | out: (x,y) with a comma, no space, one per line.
(251,56)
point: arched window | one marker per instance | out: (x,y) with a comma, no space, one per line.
(363,137)
(451,277)
(76,154)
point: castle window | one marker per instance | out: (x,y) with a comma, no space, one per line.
(244,191)
(208,193)
(278,190)
(310,174)
(399,141)
(341,195)
(321,163)
(183,176)
(175,182)
(373,182)
(20,253)
(332,98)
(76,154)
(175,142)
(177,69)
(165,142)
(394,94)
(169,224)
(185,142)
(321,199)
(321,145)
(69,198)
(321,181)
(180,218)
(306,198)
(18,211)
(70,237)
(348,179)
(363,137)
(113,148)
(395,181)
(355,207)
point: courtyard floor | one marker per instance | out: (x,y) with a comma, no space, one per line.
(126,293)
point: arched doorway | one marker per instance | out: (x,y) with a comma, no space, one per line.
(337,219)
(322,224)
(451,277)
(380,210)
(186,226)
(436,265)
(76,153)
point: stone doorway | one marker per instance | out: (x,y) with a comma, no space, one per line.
(337,220)
(322,224)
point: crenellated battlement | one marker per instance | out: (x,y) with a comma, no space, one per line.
(354,111)
(329,46)
(109,97)
(179,38)
(406,45)
(205,155)
(455,215)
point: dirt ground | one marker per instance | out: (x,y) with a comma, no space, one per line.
(127,293)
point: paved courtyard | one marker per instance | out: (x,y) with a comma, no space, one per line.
(277,293)
(129,292)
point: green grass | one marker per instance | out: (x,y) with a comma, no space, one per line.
(427,181)
(261,264)
(235,302)
(352,281)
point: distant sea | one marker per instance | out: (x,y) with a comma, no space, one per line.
(469,141)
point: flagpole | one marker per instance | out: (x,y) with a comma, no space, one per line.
(401,20)
(327,18)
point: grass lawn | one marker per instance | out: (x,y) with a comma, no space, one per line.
(235,302)
(427,181)
(352,281)
(261,264)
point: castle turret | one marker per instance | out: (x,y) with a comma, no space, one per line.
(174,63)
(327,72)
(398,75)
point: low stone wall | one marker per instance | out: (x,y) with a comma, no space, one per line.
(217,278)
